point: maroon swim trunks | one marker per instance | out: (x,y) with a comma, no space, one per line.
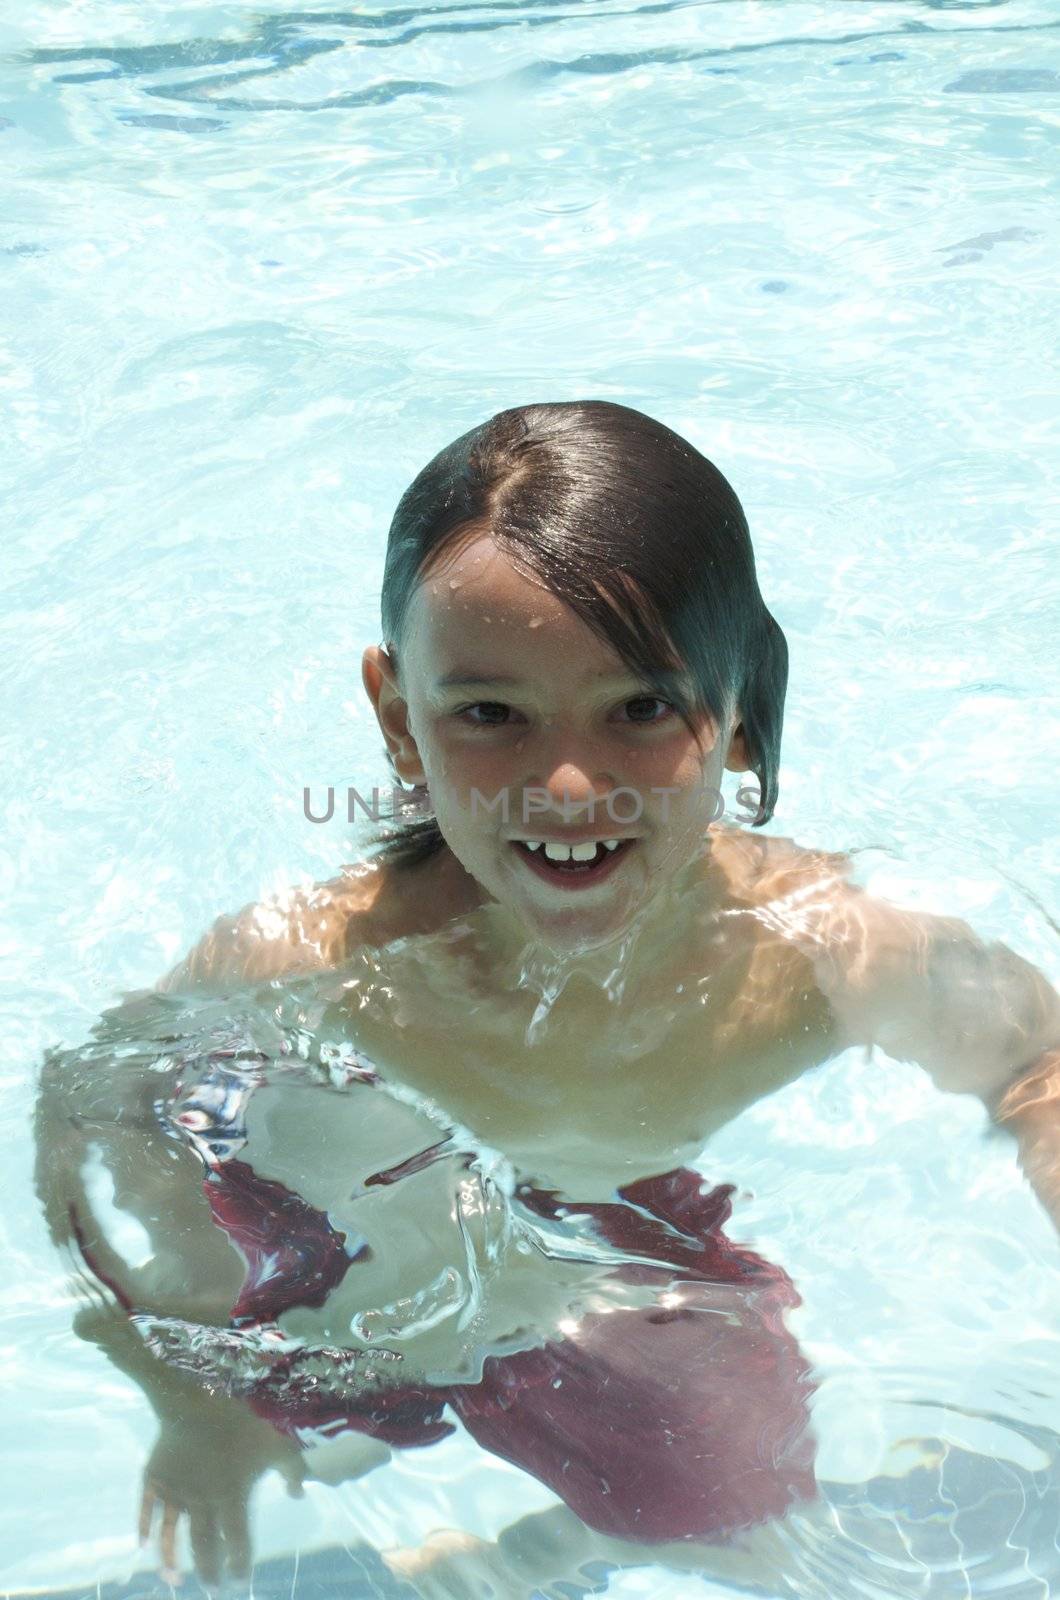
(683,1416)
(680,1420)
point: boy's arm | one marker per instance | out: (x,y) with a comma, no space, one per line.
(978,1017)
(95,1116)
(1030,1109)
(298,931)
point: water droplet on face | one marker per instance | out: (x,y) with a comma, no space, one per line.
(535,622)
(455,583)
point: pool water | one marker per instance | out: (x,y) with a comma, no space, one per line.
(259,264)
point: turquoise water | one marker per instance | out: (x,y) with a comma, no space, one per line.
(257,266)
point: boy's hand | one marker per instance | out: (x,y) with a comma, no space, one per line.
(203,1467)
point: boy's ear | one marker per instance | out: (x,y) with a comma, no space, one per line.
(381,685)
(739,757)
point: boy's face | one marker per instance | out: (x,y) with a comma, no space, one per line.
(553,721)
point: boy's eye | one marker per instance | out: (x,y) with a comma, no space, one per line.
(497,711)
(649,700)
(484,705)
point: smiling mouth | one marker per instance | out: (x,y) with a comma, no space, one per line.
(573,872)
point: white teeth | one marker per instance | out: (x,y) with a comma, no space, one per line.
(577,852)
(570,852)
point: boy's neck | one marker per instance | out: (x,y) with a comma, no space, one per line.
(657,939)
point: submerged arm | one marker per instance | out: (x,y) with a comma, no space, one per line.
(97,1130)
(978,1017)
(1030,1110)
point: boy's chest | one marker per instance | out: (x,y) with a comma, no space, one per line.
(584,1100)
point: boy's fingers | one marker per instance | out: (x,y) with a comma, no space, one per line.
(148,1501)
(168,1543)
(206,1546)
(237,1539)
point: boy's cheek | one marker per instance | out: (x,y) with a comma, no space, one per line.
(459,777)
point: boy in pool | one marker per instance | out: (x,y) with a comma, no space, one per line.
(566,948)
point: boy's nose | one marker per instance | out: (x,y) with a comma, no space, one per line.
(572,791)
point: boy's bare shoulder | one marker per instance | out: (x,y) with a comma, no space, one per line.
(367,905)
(302,929)
(923,987)
(762,869)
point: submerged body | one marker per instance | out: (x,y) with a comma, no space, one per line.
(649,1329)
(677,1349)
(585,1078)
(661,1395)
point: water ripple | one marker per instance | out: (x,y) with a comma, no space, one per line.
(287,42)
(942,1519)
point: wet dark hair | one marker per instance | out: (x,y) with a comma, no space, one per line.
(636,531)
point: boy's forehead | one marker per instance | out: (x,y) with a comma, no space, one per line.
(479,601)
(476,615)
(474,574)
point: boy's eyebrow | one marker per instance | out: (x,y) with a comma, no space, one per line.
(468,680)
